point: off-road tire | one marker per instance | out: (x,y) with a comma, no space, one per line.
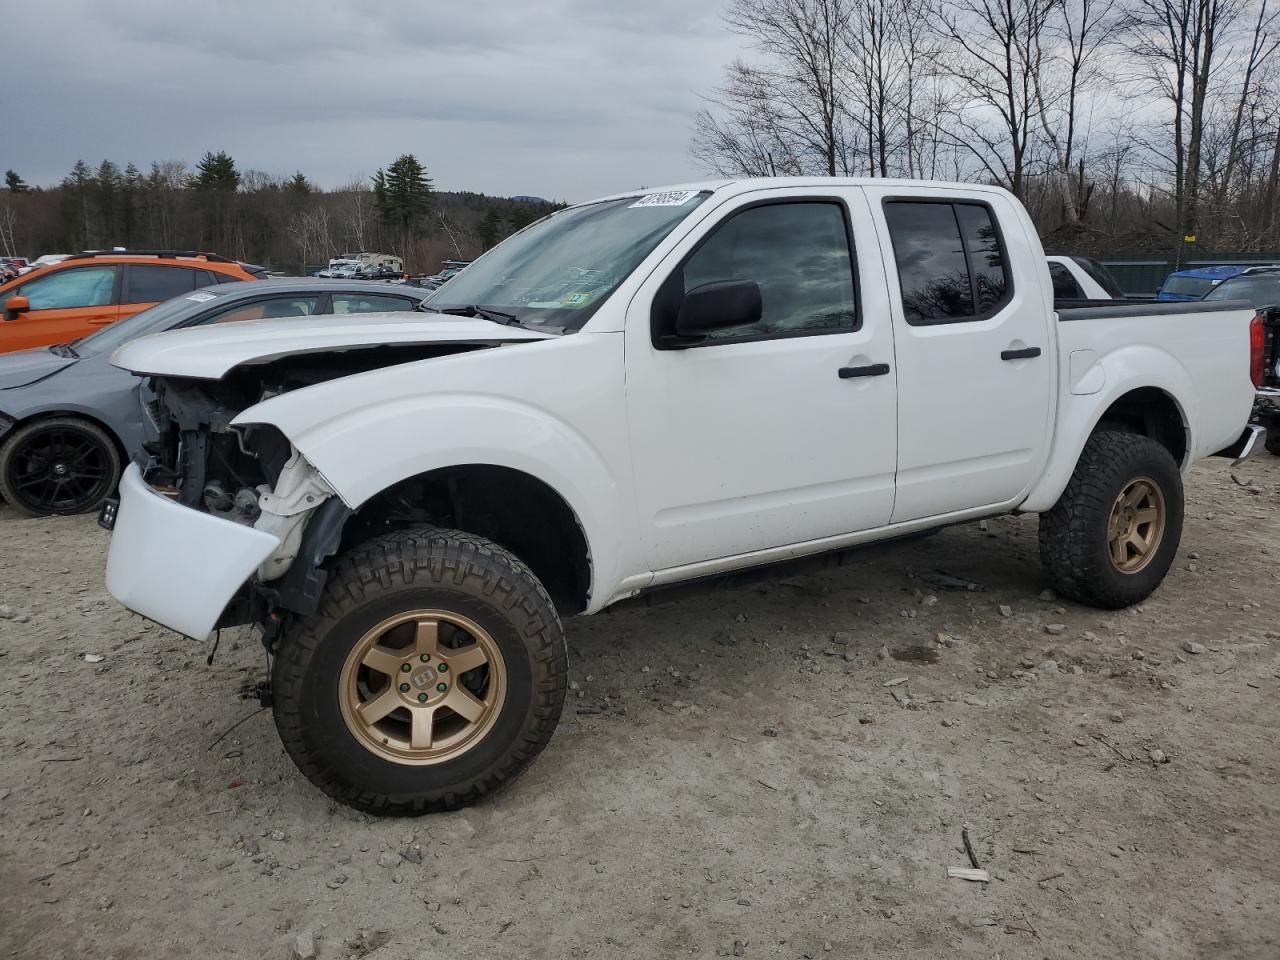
(109,456)
(1273,440)
(424,567)
(1073,534)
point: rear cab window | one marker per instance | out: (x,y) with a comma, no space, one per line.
(1064,284)
(951,260)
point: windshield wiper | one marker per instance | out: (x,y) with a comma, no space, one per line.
(64,350)
(471,310)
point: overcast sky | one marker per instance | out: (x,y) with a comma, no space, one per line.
(565,99)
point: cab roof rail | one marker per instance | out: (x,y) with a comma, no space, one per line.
(163,254)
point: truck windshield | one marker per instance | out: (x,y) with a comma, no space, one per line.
(559,271)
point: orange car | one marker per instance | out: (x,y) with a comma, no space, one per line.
(78,295)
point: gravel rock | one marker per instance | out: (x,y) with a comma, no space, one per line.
(277,835)
(1192,647)
(1048,596)
(1116,716)
(1049,666)
(303,946)
(1055,629)
(1159,756)
(388,859)
(1005,610)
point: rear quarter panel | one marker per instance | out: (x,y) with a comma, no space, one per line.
(1200,359)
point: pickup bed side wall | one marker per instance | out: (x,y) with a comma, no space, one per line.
(574,441)
(1201,363)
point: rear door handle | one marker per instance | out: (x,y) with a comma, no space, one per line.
(870,370)
(1026,353)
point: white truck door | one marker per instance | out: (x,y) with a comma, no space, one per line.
(975,349)
(776,433)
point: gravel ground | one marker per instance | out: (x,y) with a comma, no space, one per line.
(778,770)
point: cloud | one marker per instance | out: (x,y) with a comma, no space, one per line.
(566,99)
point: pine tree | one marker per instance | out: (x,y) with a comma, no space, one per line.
(299,185)
(490,228)
(131,188)
(216,180)
(402,196)
(15,183)
(216,171)
(106,200)
(76,189)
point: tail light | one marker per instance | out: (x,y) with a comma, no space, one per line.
(1257,349)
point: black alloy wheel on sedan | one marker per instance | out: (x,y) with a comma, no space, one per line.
(60,466)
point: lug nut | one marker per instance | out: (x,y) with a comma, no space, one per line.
(442,687)
(444,667)
(404,688)
(405,668)
(424,658)
(422,698)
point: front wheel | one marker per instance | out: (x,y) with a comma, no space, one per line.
(433,674)
(62,465)
(1112,536)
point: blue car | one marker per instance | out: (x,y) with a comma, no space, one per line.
(1194,284)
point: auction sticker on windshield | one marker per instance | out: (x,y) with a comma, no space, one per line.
(201,297)
(675,198)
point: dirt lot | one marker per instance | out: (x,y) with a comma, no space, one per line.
(735,773)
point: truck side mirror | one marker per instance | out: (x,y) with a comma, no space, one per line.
(717,306)
(16,305)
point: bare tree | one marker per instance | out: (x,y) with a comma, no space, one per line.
(792,102)
(995,57)
(1182,44)
(1076,32)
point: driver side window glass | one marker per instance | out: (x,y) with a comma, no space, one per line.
(77,287)
(798,253)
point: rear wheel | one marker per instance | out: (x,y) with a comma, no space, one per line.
(1112,536)
(59,466)
(433,674)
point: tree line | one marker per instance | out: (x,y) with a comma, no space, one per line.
(1121,124)
(283,222)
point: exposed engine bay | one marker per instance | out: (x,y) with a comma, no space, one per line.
(251,474)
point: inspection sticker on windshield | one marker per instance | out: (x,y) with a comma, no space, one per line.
(201,297)
(675,198)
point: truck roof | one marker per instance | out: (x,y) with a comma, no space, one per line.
(746,184)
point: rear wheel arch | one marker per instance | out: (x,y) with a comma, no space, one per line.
(1151,412)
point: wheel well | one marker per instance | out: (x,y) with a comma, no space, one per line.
(1153,413)
(513,509)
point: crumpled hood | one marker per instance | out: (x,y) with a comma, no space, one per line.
(210,352)
(28,366)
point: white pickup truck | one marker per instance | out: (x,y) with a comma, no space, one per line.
(631,393)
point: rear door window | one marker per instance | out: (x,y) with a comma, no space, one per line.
(950,258)
(151,283)
(273,308)
(369,303)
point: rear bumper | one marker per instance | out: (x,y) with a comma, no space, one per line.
(178,566)
(1251,441)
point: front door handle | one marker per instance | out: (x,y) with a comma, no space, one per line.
(870,370)
(1026,353)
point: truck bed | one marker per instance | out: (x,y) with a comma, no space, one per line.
(1116,309)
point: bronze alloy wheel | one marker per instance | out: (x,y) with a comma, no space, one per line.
(422,687)
(1136,525)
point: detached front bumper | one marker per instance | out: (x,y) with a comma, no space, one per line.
(175,565)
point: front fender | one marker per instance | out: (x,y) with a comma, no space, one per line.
(368,432)
(1125,369)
